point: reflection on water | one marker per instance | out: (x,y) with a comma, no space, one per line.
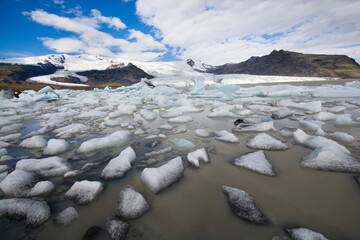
(195,207)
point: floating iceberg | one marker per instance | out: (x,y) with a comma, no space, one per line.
(243,205)
(157,179)
(116,139)
(305,234)
(67,216)
(35,211)
(117,229)
(182,143)
(85,191)
(119,166)
(265,142)
(196,156)
(255,161)
(33,142)
(44,167)
(131,204)
(56,146)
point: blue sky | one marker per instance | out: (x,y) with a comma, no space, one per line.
(215,32)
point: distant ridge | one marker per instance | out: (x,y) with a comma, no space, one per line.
(286,63)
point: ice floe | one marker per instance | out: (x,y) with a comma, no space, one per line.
(182,143)
(117,229)
(181,119)
(131,204)
(33,142)
(198,155)
(255,161)
(119,166)
(266,142)
(85,191)
(56,146)
(157,179)
(35,211)
(243,205)
(260,127)
(305,234)
(44,167)
(116,139)
(67,216)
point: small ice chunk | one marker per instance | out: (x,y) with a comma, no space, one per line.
(157,179)
(41,188)
(36,211)
(124,109)
(281,113)
(243,205)
(67,216)
(24,184)
(305,234)
(70,130)
(92,114)
(148,114)
(244,112)
(181,119)
(260,127)
(10,137)
(171,113)
(119,166)
(117,229)
(345,120)
(116,139)
(165,127)
(195,156)
(4,144)
(3,176)
(85,191)
(340,136)
(222,113)
(131,204)
(158,152)
(331,158)
(45,167)
(182,143)
(13,128)
(311,125)
(33,142)
(225,136)
(324,116)
(286,133)
(255,161)
(3,152)
(147,163)
(336,109)
(265,142)
(204,133)
(56,146)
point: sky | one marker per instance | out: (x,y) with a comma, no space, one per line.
(213,31)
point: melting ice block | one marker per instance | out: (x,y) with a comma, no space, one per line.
(85,191)
(196,156)
(243,205)
(281,113)
(117,229)
(25,184)
(225,136)
(119,166)
(44,167)
(328,154)
(131,204)
(181,119)
(305,234)
(157,179)
(56,146)
(148,114)
(182,143)
(255,161)
(260,127)
(36,211)
(266,142)
(67,216)
(116,139)
(33,142)
(324,116)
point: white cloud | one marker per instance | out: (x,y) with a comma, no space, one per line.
(91,40)
(111,21)
(231,30)
(58,1)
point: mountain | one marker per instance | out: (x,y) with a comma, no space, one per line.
(199,66)
(286,63)
(18,73)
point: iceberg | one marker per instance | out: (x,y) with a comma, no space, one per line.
(119,166)
(255,161)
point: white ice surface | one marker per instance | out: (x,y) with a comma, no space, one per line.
(44,167)
(255,161)
(56,146)
(85,191)
(266,142)
(119,166)
(198,155)
(33,142)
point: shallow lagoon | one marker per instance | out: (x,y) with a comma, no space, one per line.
(194,207)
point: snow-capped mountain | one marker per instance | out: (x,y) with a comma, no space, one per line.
(199,66)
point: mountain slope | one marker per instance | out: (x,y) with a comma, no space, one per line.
(285,63)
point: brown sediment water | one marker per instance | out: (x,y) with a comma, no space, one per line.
(196,208)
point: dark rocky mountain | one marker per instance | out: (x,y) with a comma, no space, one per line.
(115,77)
(286,63)
(17,74)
